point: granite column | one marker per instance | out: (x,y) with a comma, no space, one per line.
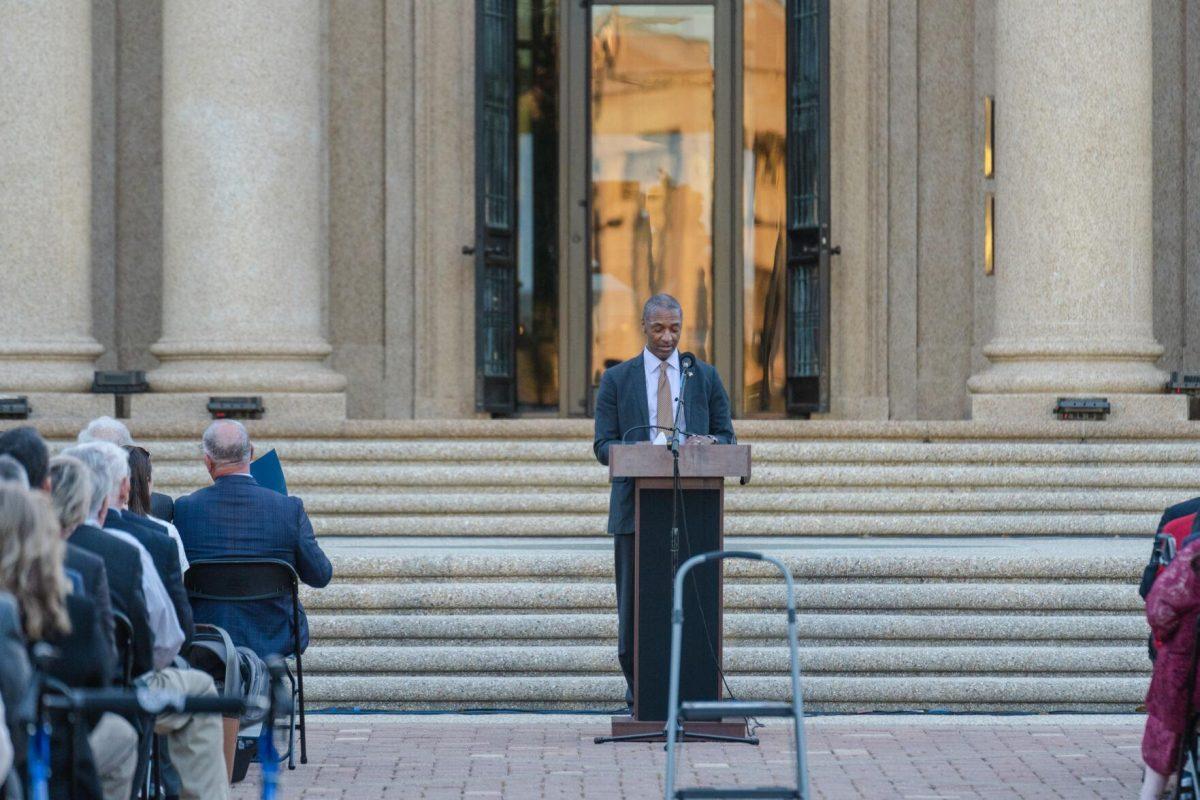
(1073,213)
(46,343)
(244,237)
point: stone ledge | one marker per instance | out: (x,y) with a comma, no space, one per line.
(463,628)
(820,692)
(505,596)
(582,429)
(959,660)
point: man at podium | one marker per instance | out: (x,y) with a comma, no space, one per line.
(639,401)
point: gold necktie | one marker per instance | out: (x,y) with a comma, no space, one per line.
(665,417)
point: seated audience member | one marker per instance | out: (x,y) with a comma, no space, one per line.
(26,445)
(71,498)
(141,493)
(14,690)
(237,518)
(122,560)
(195,740)
(31,569)
(105,461)
(11,471)
(1172,609)
(107,429)
(150,535)
(85,570)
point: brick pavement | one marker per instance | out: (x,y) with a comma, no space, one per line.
(922,758)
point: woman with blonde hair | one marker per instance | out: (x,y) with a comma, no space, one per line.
(31,569)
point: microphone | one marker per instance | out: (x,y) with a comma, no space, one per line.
(687,366)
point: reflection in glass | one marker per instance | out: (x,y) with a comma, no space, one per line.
(652,134)
(537,199)
(764,203)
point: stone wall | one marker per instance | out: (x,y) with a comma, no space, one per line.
(912,307)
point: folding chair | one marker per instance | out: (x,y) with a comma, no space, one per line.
(719,709)
(243,580)
(123,633)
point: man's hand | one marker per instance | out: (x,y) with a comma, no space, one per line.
(698,440)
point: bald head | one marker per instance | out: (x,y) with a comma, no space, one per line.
(227,448)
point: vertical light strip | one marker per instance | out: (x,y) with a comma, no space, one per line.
(989,234)
(989,129)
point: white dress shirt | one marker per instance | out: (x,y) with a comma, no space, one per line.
(164,623)
(652,364)
(173,532)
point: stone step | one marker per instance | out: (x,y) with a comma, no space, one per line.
(337,477)
(380,452)
(463,628)
(749,499)
(739,659)
(1100,560)
(513,596)
(543,429)
(1008,523)
(821,692)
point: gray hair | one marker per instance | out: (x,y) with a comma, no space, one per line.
(73,492)
(116,466)
(106,429)
(227,442)
(98,470)
(661,302)
(12,471)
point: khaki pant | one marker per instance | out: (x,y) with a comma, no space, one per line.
(195,740)
(114,745)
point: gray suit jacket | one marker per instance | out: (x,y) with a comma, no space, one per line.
(621,407)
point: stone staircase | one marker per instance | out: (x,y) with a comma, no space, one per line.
(940,565)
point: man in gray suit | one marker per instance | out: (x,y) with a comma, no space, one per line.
(636,403)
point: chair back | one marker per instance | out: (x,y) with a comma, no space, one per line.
(123,633)
(236,580)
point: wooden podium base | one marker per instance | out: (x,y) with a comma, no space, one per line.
(628,726)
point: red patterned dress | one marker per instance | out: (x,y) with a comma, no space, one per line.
(1172,608)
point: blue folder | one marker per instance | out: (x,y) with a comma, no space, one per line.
(267,470)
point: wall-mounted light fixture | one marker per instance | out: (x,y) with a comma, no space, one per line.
(989,234)
(989,135)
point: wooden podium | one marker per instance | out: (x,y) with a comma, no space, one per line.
(700,524)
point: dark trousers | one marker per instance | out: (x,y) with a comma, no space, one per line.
(623,568)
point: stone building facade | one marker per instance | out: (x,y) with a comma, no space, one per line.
(275,198)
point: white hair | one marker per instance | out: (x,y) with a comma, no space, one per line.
(661,302)
(98,469)
(227,442)
(116,463)
(106,429)
(13,471)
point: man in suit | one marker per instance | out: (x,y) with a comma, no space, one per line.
(637,402)
(108,429)
(237,518)
(154,537)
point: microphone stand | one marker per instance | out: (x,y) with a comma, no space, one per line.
(677,485)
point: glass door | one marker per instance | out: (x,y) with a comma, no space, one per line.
(652,147)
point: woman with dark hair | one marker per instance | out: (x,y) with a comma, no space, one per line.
(141,486)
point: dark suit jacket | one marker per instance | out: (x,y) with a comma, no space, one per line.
(81,665)
(162,506)
(124,567)
(165,554)
(237,518)
(95,586)
(621,406)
